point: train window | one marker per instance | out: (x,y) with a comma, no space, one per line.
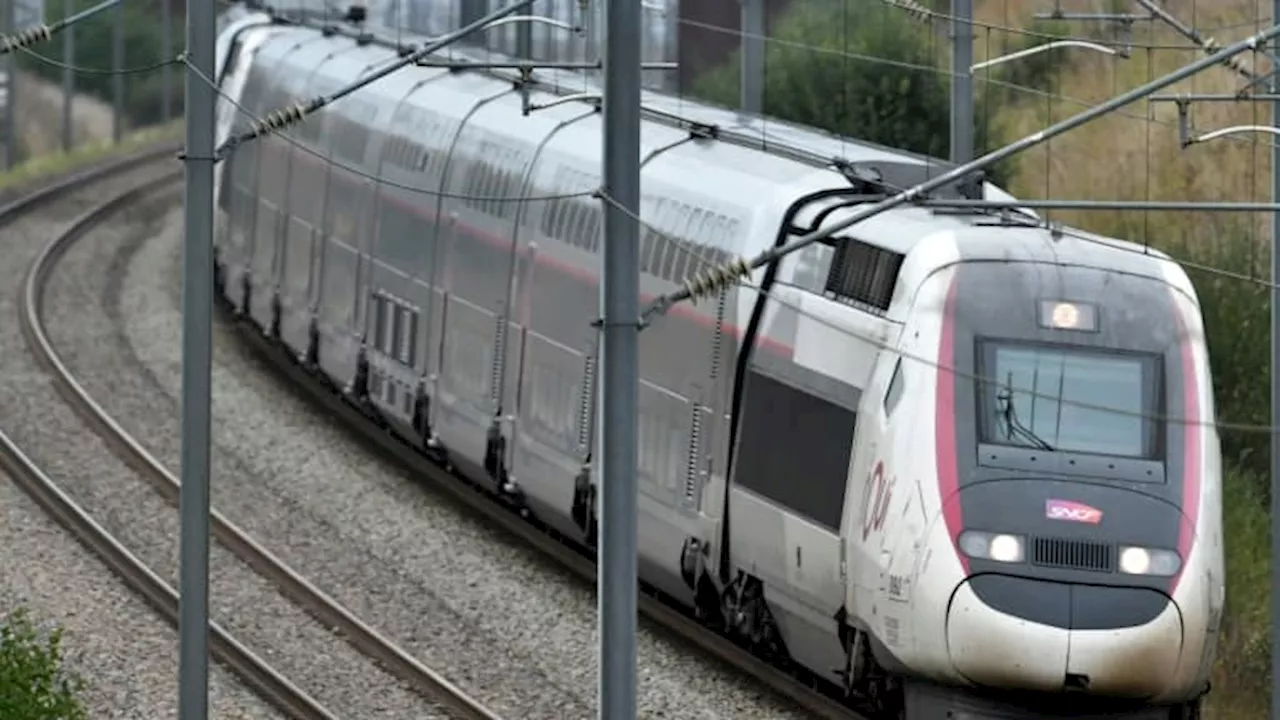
(409,347)
(392,348)
(595,217)
(379,322)
(862,274)
(695,224)
(894,393)
(1070,399)
(818,435)
(647,241)
(672,250)
(578,231)
(683,254)
(547,223)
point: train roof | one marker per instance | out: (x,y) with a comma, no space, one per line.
(797,159)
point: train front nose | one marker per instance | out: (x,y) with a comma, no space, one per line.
(1007,631)
(1061,614)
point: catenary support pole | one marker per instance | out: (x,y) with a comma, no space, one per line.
(615,452)
(68,77)
(1275,392)
(197,338)
(11,92)
(524,40)
(117,79)
(751,78)
(961,81)
(166,52)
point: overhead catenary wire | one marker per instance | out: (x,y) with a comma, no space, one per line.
(44,32)
(946,72)
(718,276)
(882,344)
(514,199)
(595,191)
(82,70)
(284,117)
(790,304)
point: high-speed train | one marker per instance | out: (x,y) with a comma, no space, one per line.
(944,462)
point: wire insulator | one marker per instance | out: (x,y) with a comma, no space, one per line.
(711,280)
(279,119)
(1211,46)
(26,38)
(918,11)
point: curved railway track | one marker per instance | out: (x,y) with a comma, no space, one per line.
(257,674)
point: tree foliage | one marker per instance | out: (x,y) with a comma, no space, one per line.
(33,684)
(143,45)
(861,69)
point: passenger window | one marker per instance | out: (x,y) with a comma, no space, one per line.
(894,393)
(392,348)
(379,320)
(683,252)
(669,258)
(646,249)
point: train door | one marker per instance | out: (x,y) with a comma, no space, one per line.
(266,252)
(472,327)
(555,382)
(308,178)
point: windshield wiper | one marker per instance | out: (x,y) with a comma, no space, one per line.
(1012,424)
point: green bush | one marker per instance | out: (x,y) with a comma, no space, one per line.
(861,69)
(1237,317)
(93,51)
(33,685)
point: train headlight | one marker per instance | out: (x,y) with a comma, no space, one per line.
(1001,547)
(1148,561)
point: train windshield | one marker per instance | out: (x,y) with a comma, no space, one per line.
(1069,399)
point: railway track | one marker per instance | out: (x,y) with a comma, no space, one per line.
(143,174)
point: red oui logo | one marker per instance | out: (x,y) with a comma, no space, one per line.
(1072,512)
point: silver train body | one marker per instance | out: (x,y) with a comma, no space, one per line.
(872,471)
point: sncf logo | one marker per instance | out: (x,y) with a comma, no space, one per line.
(1072,512)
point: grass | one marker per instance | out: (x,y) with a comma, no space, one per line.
(52,164)
(1137,156)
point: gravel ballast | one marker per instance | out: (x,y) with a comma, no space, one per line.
(495,617)
(248,606)
(126,653)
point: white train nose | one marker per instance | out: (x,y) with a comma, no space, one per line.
(995,648)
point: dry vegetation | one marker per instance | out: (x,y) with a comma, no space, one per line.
(1135,155)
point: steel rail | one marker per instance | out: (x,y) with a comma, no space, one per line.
(321,606)
(31,479)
